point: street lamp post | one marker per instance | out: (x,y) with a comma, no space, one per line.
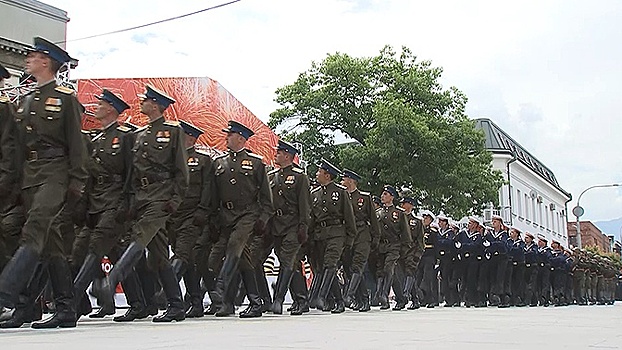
(578,211)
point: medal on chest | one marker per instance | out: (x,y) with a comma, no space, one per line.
(193,161)
(335,196)
(290,180)
(163,136)
(116,143)
(246,164)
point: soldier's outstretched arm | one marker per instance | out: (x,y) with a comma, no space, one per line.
(76,147)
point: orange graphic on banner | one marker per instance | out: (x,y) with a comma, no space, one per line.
(200,101)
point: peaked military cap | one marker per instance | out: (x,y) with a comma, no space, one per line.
(4,73)
(190,129)
(409,200)
(114,100)
(329,168)
(287,147)
(156,95)
(351,174)
(52,50)
(376,199)
(239,128)
(390,189)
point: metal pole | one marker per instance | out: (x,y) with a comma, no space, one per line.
(579,200)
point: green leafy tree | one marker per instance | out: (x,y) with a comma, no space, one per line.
(404,128)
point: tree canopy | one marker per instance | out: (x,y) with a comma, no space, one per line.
(400,125)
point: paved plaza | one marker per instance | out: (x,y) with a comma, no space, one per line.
(573,327)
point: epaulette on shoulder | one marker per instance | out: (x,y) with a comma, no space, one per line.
(4,99)
(171,122)
(315,189)
(65,90)
(341,187)
(220,156)
(253,155)
(298,170)
(86,132)
(364,193)
(400,209)
(202,152)
(123,128)
(272,172)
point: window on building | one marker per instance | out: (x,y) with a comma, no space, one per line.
(533,210)
(527,207)
(547,214)
(519,207)
(540,217)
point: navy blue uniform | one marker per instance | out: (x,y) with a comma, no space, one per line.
(544,275)
(515,274)
(470,253)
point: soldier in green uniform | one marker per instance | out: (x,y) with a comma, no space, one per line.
(156,186)
(292,204)
(54,174)
(334,229)
(185,225)
(411,255)
(368,231)
(109,164)
(244,204)
(394,237)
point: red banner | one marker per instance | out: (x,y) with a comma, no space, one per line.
(200,101)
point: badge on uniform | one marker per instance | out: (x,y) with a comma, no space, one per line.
(413,222)
(53,104)
(163,136)
(361,202)
(115,143)
(247,164)
(335,196)
(290,180)
(395,215)
(193,161)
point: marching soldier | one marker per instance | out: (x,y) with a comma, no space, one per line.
(156,187)
(368,233)
(515,274)
(495,249)
(53,179)
(470,254)
(109,165)
(428,260)
(244,204)
(186,224)
(558,273)
(544,271)
(410,256)
(292,203)
(394,237)
(530,292)
(447,256)
(333,223)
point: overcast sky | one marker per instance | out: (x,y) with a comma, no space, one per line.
(547,72)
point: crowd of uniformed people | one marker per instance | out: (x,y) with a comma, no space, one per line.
(69,198)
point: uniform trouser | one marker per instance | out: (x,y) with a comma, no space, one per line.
(449,281)
(531,276)
(80,248)
(558,277)
(388,256)
(594,286)
(470,277)
(43,205)
(360,250)
(497,266)
(600,284)
(578,279)
(544,283)
(483,279)
(148,231)
(286,247)
(517,284)
(11,222)
(428,280)
(105,235)
(183,235)
(330,250)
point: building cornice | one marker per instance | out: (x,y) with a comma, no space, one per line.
(39,8)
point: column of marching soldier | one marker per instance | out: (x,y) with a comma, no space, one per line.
(131,193)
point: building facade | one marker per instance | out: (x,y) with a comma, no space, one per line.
(591,236)
(531,198)
(23,20)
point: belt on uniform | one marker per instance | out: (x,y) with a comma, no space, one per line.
(48,153)
(107,178)
(281,212)
(362,223)
(332,222)
(527,265)
(230,205)
(152,178)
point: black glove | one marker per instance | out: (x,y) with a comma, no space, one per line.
(169,207)
(200,218)
(260,227)
(302,234)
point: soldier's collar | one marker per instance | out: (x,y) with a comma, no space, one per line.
(156,120)
(113,124)
(44,84)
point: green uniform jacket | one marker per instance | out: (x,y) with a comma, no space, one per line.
(109,167)
(417,234)
(8,164)
(160,171)
(200,187)
(331,207)
(364,213)
(49,125)
(242,187)
(393,225)
(292,201)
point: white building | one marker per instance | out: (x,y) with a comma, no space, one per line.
(531,198)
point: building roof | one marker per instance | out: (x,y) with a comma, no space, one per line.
(40,8)
(498,140)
